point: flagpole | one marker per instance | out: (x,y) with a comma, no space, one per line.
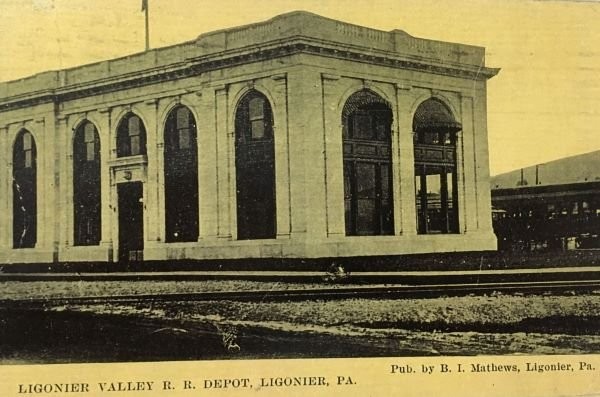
(147,25)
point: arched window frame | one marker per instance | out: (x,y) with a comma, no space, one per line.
(86,185)
(131,136)
(181,176)
(367,144)
(255,161)
(436,135)
(24,174)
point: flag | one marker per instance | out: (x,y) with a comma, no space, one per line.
(144,5)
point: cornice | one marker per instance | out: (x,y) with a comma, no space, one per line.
(276,49)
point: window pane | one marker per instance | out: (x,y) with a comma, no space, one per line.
(26,141)
(28,159)
(432,138)
(365,180)
(385,181)
(256,108)
(434,206)
(418,190)
(90,151)
(450,186)
(89,133)
(366,215)
(433,185)
(347,179)
(135,145)
(183,118)
(362,127)
(258,129)
(184,138)
(133,126)
(382,126)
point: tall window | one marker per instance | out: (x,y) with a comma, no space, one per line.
(255,168)
(435,135)
(24,191)
(181,176)
(131,136)
(366,121)
(86,185)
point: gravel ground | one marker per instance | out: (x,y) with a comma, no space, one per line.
(479,311)
(61,289)
(493,324)
(498,324)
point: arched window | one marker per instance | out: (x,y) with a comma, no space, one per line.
(24,191)
(435,135)
(181,176)
(131,136)
(86,185)
(366,121)
(255,168)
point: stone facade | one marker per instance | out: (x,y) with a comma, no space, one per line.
(307,69)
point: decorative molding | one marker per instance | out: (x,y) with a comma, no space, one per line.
(331,77)
(220,89)
(275,49)
(280,77)
(197,89)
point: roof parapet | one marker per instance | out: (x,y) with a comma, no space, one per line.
(296,24)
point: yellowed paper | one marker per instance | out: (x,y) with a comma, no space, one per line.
(543,105)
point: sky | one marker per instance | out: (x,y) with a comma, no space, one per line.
(543,105)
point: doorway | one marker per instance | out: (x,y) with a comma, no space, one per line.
(367,143)
(131,222)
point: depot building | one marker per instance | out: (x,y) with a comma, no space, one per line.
(298,137)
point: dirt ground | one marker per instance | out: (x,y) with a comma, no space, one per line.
(469,325)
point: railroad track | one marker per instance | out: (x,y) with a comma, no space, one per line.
(333,293)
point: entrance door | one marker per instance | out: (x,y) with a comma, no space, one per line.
(131,222)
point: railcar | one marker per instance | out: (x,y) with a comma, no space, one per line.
(531,218)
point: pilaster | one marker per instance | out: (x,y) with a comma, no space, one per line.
(44,182)
(64,203)
(282,162)
(306,154)
(405,217)
(207,164)
(465,159)
(152,223)
(5,192)
(482,162)
(106,209)
(226,223)
(8,151)
(334,158)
